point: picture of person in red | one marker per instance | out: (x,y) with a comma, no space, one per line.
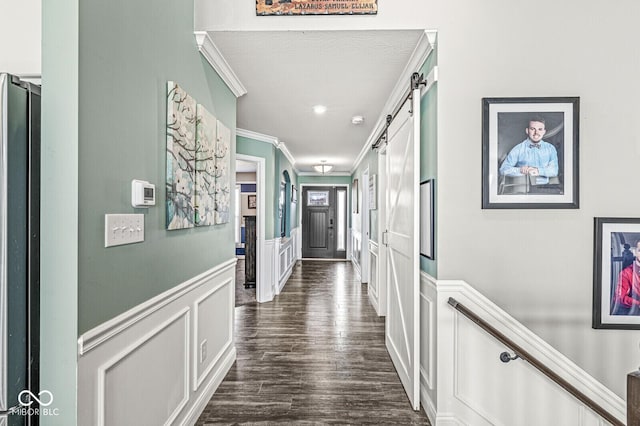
(627,296)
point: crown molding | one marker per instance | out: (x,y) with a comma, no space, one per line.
(210,51)
(423,49)
(285,151)
(326,174)
(271,140)
(257,136)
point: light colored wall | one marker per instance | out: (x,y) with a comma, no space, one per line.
(20,35)
(370,163)
(59,226)
(123,132)
(428,152)
(536,264)
(292,218)
(245,178)
(267,151)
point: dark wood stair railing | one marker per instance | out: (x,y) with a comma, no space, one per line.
(522,353)
(633,398)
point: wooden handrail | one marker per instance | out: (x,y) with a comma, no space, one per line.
(522,353)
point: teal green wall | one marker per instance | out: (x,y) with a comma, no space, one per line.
(248,146)
(59,221)
(325,180)
(292,214)
(428,152)
(128,52)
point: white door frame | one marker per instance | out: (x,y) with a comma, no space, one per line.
(382,228)
(263,289)
(364,229)
(301,200)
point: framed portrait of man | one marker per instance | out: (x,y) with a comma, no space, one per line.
(616,273)
(530,153)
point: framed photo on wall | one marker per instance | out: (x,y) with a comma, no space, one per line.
(530,153)
(251,201)
(616,273)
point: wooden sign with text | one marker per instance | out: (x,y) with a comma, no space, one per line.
(316,7)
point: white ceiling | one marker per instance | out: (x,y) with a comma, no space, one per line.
(286,73)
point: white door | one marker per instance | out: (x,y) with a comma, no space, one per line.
(403,303)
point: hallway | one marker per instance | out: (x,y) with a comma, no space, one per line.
(316,354)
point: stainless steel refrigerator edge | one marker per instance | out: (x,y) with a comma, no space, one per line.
(19,249)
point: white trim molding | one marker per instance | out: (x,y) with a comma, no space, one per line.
(461,355)
(113,327)
(180,344)
(273,140)
(260,137)
(423,49)
(326,174)
(212,54)
(262,277)
(282,147)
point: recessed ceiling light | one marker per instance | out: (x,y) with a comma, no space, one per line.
(357,119)
(319,109)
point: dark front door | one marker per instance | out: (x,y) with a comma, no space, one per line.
(320,223)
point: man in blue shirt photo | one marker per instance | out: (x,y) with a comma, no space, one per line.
(533,156)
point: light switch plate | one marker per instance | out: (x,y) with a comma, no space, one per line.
(122,229)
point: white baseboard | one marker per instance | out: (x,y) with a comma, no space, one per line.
(209,389)
(152,354)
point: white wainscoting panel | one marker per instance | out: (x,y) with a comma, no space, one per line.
(143,367)
(356,250)
(267,293)
(287,259)
(374,277)
(211,312)
(463,381)
(163,355)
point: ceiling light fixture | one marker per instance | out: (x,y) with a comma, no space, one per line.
(319,109)
(357,119)
(323,168)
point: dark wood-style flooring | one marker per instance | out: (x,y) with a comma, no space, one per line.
(244,296)
(314,355)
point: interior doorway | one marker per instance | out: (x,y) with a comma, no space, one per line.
(251,203)
(324,222)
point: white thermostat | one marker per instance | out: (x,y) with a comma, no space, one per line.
(143,193)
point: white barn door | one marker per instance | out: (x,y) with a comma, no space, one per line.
(402,334)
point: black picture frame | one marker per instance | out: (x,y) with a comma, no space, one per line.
(613,272)
(252,201)
(505,139)
(427,220)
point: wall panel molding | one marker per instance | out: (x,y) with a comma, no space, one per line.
(130,351)
(374,276)
(199,377)
(468,376)
(133,359)
(100,334)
